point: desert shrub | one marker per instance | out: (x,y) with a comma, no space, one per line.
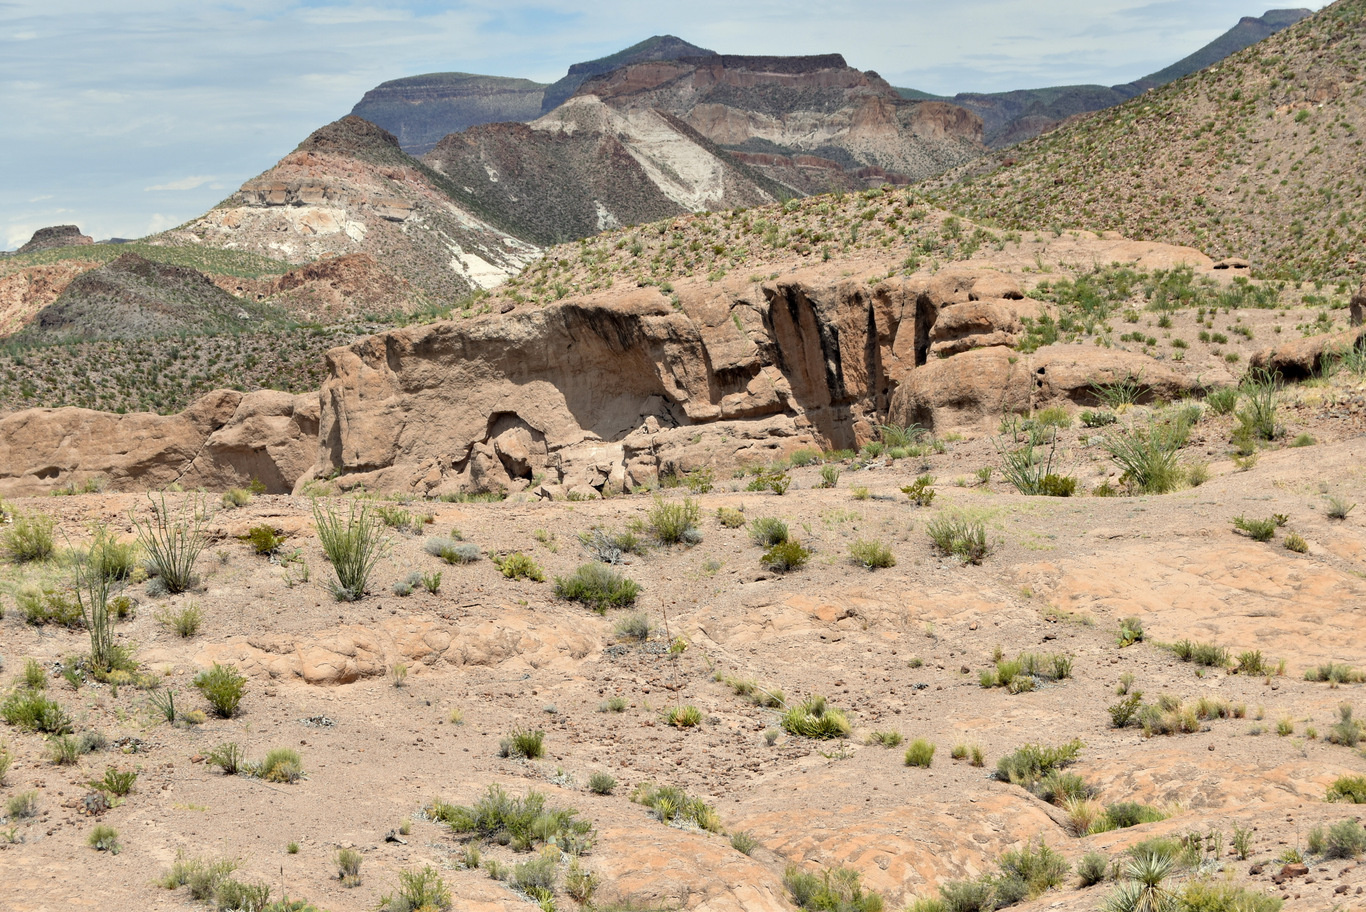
(1126,711)
(353,546)
(236,497)
(202,877)
(116,782)
(968,895)
(520,823)
(519,566)
(1204,895)
(1026,671)
(960,537)
(743,842)
(601,783)
(1039,868)
(920,492)
(1346,839)
(1294,541)
(22,806)
(1335,673)
(785,556)
(1257,529)
(700,480)
(1030,472)
(28,538)
(872,555)
(833,890)
(671,804)
(1206,654)
(1027,765)
(408,585)
(608,547)
(263,539)
(1148,458)
(528,743)
(635,626)
(775,480)
(34,711)
(537,877)
(814,718)
(884,738)
(1346,730)
(1223,400)
(1348,788)
(1338,508)
(228,757)
(104,838)
(222,686)
(185,622)
(1252,662)
(767,531)
(48,605)
(1057,787)
(597,587)
(920,753)
(830,476)
(683,716)
(348,863)
(1092,868)
(1124,814)
(452,552)
(730,517)
(675,522)
(1096,419)
(282,764)
(172,540)
(1258,416)
(418,891)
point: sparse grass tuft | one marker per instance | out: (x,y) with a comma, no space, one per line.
(814,718)
(920,753)
(871,555)
(597,587)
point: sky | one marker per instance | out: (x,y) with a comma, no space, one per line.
(132,117)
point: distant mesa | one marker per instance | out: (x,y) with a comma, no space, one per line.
(56,236)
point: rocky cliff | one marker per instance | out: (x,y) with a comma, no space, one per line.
(420,110)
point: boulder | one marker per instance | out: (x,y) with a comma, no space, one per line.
(224,439)
(1071,374)
(981,323)
(1299,359)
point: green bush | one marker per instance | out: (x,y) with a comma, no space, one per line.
(1039,868)
(1148,458)
(1027,765)
(348,863)
(282,764)
(519,566)
(172,541)
(597,587)
(672,803)
(830,476)
(743,842)
(683,716)
(264,539)
(833,890)
(1348,788)
(1335,673)
(227,757)
(767,531)
(1258,417)
(785,556)
(872,555)
(1257,529)
(236,497)
(223,686)
(730,517)
(674,522)
(452,552)
(104,839)
(1206,654)
(523,743)
(418,891)
(920,491)
(28,538)
(601,783)
(354,546)
(960,537)
(520,823)
(1092,868)
(920,753)
(1346,839)
(1216,896)
(116,782)
(814,718)
(47,605)
(32,710)
(1130,632)
(1223,400)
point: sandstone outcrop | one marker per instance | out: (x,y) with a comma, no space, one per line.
(225,439)
(974,389)
(1300,359)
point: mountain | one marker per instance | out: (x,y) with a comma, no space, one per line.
(659,47)
(348,189)
(420,110)
(133,298)
(1259,156)
(1012,117)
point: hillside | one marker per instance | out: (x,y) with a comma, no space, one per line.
(348,189)
(420,110)
(1014,116)
(1259,157)
(656,48)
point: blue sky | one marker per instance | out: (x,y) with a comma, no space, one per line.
(131,117)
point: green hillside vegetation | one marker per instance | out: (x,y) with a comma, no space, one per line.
(166,374)
(212,260)
(1260,156)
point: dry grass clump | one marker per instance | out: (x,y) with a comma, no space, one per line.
(598,587)
(673,805)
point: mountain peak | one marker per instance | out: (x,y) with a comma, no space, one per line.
(351,135)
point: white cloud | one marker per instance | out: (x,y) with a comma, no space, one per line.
(184,183)
(159,222)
